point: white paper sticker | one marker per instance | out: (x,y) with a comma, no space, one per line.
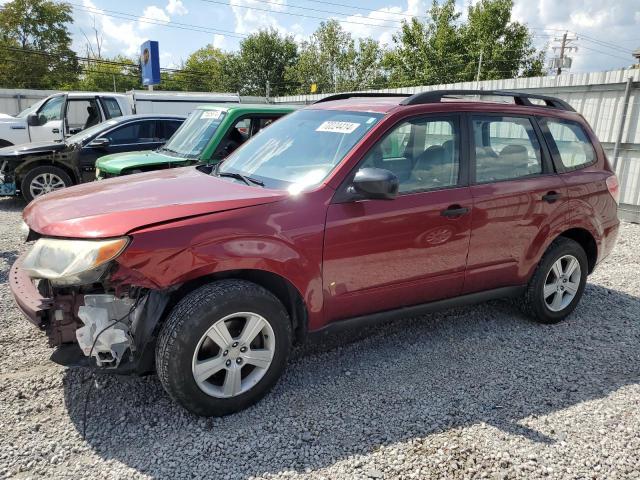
(214,114)
(337,127)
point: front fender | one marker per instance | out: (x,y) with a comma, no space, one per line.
(254,238)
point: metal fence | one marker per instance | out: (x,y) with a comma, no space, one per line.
(610,101)
(600,97)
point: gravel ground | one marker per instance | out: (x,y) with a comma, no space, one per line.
(478,392)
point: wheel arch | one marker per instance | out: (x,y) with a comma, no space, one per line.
(278,285)
(588,243)
(25,167)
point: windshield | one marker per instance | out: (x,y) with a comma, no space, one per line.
(301,149)
(84,135)
(195,133)
(31,109)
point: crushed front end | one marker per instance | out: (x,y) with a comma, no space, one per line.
(63,287)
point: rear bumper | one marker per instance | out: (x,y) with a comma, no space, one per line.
(27,297)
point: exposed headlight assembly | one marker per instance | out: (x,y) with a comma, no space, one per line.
(72,262)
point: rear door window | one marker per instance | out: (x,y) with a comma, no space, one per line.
(570,143)
(132,133)
(166,128)
(112,107)
(505,148)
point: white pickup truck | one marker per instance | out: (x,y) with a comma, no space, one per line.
(61,114)
(67,113)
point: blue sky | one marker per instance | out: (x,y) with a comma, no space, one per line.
(606,31)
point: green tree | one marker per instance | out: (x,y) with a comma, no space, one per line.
(118,74)
(203,71)
(445,50)
(333,61)
(507,47)
(265,57)
(35,45)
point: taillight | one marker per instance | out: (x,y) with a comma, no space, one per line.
(614,187)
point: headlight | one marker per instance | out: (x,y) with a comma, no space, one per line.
(72,262)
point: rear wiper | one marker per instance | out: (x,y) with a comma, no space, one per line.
(239,176)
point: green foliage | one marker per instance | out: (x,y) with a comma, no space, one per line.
(35,45)
(35,53)
(117,74)
(445,50)
(203,71)
(334,62)
(266,57)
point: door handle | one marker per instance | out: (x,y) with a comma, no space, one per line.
(454,211)
(551,197)
(55,130)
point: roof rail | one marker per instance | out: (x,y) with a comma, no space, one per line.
(345,95)
(520,98)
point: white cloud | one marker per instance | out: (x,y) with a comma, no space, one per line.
(176,7)
(594,22)
(118,36)
(250,20)
(218,41)
(384,22)
(156,14)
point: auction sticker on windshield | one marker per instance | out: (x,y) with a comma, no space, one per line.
(214,114)
(337,127)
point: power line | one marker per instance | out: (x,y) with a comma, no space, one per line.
(294,14)
(152,21)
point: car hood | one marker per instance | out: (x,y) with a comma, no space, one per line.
(30,148)
(110,208)
(117,162)
(4,117)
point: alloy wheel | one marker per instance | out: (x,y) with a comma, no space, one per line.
(45,183)
(233,355)
(562,283)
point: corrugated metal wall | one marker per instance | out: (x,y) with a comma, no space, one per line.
(598,96)
(13,101)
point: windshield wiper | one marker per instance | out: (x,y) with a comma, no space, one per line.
(239,176)
(165,149)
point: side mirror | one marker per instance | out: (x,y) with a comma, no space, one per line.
(33,120)
(100,142)
(375,184)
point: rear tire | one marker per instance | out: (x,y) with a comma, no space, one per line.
(558,282)
(223,347)
(44,179)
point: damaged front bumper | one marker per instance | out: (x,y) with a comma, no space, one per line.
(92,327)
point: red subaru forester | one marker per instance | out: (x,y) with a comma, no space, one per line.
(356,209)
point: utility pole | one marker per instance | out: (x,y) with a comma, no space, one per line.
(562,61)
(267,90)
(479,66)
(562,47)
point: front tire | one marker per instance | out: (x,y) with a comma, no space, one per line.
(223,347)
(44,179)
(558,282)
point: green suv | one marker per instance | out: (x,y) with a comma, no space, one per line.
(209,134)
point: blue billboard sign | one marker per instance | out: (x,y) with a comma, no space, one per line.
(150,63)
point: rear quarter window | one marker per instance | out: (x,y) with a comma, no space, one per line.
(570,143)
